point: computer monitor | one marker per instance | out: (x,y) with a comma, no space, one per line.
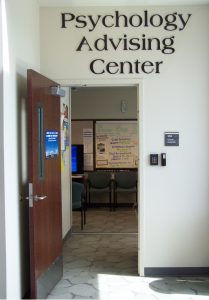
(77,161)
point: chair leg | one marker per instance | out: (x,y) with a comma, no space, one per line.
(84,214)
(89,197)
(110,201)
(81,219)
(135,202)
(115,200)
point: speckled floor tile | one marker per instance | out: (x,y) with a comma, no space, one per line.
(123,220)
(104,266)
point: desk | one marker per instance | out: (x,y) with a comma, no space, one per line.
(78,178)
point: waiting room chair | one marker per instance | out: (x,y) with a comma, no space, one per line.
(78,200)
(99,182)
(125,182)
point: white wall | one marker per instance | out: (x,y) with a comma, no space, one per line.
(65,176)
(104,103)
(176,206)
(21,51)
(2,205)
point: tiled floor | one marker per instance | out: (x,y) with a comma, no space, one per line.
(104,266)
(123,220)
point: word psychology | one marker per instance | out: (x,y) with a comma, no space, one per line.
(169,22)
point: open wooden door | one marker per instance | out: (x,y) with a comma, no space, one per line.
(44,185)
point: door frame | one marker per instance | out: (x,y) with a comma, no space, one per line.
(138,83)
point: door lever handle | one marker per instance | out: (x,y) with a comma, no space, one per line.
(31,197)
(37,198)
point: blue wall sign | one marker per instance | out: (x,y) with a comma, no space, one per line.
(52,143)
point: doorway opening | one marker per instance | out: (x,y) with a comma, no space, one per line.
(138,86)
(91,260)
(104,123)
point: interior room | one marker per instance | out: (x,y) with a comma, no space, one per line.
(115,107)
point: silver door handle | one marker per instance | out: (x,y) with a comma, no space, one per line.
(37,198)
(31,197)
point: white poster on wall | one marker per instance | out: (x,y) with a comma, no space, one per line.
(64,134)
(116,144)
(88,140)
(88,149)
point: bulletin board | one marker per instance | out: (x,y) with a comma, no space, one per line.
(116,144)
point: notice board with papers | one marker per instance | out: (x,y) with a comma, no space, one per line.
(116,144)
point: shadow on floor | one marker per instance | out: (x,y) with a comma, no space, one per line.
(183,286)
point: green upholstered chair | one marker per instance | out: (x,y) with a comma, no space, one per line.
(78,200)
(99,182)
(125,182)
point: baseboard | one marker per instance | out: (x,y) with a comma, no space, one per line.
(67,236)
(199,271)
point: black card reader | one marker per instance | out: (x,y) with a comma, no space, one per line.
(153,159)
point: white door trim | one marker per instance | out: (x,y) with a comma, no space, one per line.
(140,100)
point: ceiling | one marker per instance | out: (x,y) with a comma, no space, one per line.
(59,3)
